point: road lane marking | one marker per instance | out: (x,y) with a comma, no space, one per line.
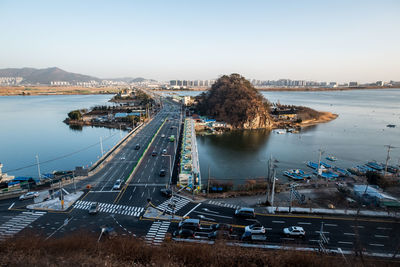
(376,245)
(349,234)
(12,205)
(318,232)
(358,226)
(187,214)
(287,238)
(306,223)
(384,228)
(381,236)
(330,224)
(344,242)
(278,221)
(214,215)
(142,193)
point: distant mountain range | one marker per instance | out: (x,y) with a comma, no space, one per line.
(46,76)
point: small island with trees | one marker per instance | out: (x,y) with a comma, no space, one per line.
(235,102)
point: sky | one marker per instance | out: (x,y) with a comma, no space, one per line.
(337,40)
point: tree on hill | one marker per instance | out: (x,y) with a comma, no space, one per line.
(234,100)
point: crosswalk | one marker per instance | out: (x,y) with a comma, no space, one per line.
(111,208)
(226,205)
(157,232)
(178,202)
(18,223)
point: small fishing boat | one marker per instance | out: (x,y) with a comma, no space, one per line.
(314,165)
(341,172)
(326,174)
(297,174)
(331,158)
(374,165)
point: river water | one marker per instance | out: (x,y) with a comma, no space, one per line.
(33,125)
(358,135)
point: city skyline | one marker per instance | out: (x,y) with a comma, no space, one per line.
(262,39)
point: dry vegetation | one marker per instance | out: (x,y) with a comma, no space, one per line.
(52,90)
(83,250)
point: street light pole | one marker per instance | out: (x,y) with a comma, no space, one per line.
(170,168)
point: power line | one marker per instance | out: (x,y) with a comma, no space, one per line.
(60,157)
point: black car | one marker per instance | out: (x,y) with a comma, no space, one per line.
(162,172)
(184,233)
(220,234)
(166,192)
(154,153)
(222,226)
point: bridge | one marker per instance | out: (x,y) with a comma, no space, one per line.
(138,207)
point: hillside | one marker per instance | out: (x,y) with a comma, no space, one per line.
(45,76)
(234,100)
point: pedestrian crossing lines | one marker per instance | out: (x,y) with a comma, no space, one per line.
(169,204)
(157,232)
(226,205)
(111,208)
(19,222)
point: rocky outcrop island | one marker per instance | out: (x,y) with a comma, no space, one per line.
(234,101)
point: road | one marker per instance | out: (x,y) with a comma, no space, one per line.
(123,209)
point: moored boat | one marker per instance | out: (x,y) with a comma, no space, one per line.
(331,158)
(374,165)
(314,165)
(297,174)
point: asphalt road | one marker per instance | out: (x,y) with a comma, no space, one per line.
(123,209)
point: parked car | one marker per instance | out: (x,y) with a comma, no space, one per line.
(166,192)
(184,233)
(245,213)
(94,208)
(255,229)
(191,224)
(162,172)
(154,153)
(118,184)
(219,234)
(222,226)
(137,147)
(29,195)
(163,135)
(164,151)
(294,231)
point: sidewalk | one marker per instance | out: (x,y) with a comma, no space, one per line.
(55,204)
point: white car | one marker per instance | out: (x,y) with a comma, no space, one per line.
(164,151)
(29,195)
(294,231)
(117,184)
(163,135)
(255,229)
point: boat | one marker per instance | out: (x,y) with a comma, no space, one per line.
(280,132)
(340,171)
(331,158)
(374,165)
(362,169)
(314,165)
(392,169)
(326,174)
(391,125)
(297,174)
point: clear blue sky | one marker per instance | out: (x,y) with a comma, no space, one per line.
(313,40)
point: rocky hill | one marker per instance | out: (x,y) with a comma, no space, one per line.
(234,100)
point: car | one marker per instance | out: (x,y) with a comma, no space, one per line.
(183,233)
(245,213)
(122,158)
(29,195)
(94,208)
(118,184)
(166,192)
(191,224)
(162,172)
(164,151)
(172,127)
(219,234)
(222,226)
(137,147)
(256,228)
(154,153)
(294,231)
(163,135)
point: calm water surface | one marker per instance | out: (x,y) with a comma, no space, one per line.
(358,135)
(33,125)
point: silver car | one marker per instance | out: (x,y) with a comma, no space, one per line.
(29,195)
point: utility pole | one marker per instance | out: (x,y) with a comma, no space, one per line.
(73,179)
(319,162)
(208,182)
(387,158)
(269,170)
(290,198)
(61,195)
(38,166)
(273,192)
(101,146)
(120,133)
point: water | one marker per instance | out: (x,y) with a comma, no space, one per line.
(33,125)
(358,135)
